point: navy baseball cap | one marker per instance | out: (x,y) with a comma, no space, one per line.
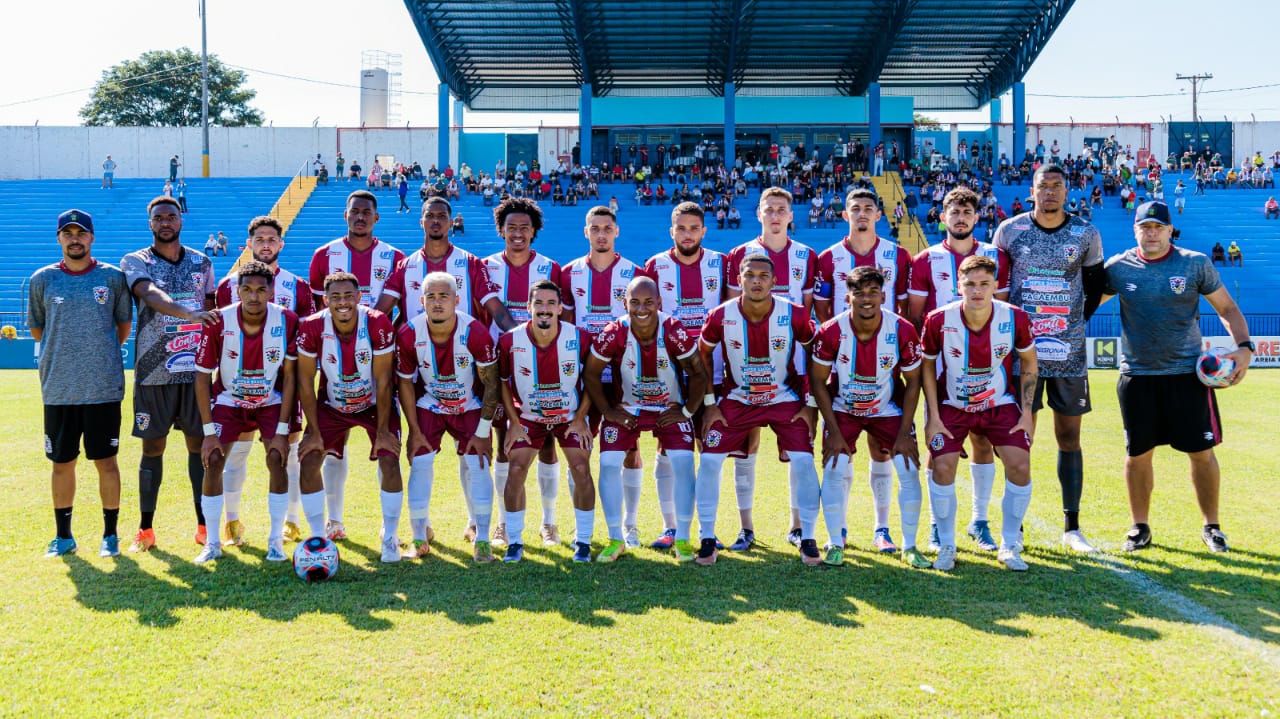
(79,218)
(1156,212)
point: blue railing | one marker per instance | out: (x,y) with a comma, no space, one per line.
(1260,325)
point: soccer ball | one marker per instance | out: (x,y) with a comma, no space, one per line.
(1214,368)
(316,559)
(9,332)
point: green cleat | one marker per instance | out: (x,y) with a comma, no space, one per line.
(915,559)
(483,552)
(613,551)
(683,551)
(834,557)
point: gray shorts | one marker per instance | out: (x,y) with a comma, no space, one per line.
(161,407)
(1068,396)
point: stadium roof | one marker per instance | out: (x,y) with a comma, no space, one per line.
(534,55)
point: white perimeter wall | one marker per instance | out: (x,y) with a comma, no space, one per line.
(1071,137)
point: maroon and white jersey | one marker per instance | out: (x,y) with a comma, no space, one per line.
(545,382)
(468,271)
(648,373)
(596,298)
(372,267)
(836,262)
(866,375)
(446,372)
(347,383)
(933,272)
(288,291)
(759,357)
(248,366)
(512,283)
(688,292)
(795,268)
(976,368)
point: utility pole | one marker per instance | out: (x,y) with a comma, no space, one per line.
(204,92)
(1195,91)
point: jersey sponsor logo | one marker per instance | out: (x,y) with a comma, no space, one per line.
(526,372)
(1048,326)
(1045,284)
(460,262)
(568,369)
(1051,349)
(627,273)
(387,254)
(782,320)
(334,253)
(610,435)
(668,287)
(277,331)
(181,362)
(735,344)
(1178,285)
(1043,310)
(100,295)
(181,343)
(142,420)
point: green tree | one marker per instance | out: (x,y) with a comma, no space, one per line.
(924,122)
(161,88)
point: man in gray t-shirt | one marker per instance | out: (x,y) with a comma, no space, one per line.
(79,310)
(1162,401)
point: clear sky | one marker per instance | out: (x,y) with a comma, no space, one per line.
(55,50)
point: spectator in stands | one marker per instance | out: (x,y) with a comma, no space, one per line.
(355,170)
(1268,179)
(487,193)
(1272,208)
(222,242)
(734,218)
(182,195)
(388,179)
(1017,207)
(402,189)
(571,198)
(1180,196)
(557,195)
(168,188)
(815,217)
(323,177)
(1218,255)
(339,164)
(1234,256)
(211,246)
(108,173)
(173,168)
(459,227)
(613,203)
(721,215)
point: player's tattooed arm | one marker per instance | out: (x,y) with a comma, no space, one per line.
(492,389)
(1028,393)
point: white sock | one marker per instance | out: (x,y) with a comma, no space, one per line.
(943,502)
(833,490)
(908,500)
(233,475)
(664,478)
(465,481)
(481,494)
(612,491)
(294,471)
(707,492)
(334,472)
(1014,506)
(549,486)
(212,508)
(391,502)
(515,527)
(683,479)
(313,509)
(585,524)
(881,479)
(500,470)
(632,484)
(808,493)
(845,491)
(928,479)
(984,478)
(277,505)
(744,480)
(421,475)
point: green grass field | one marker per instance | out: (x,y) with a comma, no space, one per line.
(1172,632)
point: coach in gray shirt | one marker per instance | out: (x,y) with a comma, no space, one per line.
(1161,399)
(80,310)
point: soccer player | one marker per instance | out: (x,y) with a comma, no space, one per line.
(762,387)
(1161,399)
(361,254)
(690,281)
(539,363)
(594,288)
(969,349)
(513,271)
(863,248)
(352,347)
(448,383)
(294,294)
(933,284)
(253,348)
(796,272)
(174,288)
(648,351)
(1057,278)
(865,353)
(80,312)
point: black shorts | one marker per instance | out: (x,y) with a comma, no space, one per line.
(1175,409)
(1068,396)
(65,424)
(161,407)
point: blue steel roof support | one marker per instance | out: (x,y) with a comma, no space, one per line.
(886,38)
(1015,64)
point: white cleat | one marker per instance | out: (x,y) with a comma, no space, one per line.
(1011,558)
(1075,541)
(632,537)
(211,551)
(946,559)
(275,550)
(391,549)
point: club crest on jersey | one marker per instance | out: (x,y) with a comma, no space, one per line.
(713,438)
(1001,351)
(663,363)
(1072,252)
(100,295)
(619,294)
(379,273)
(462,361)
(711,283)
(568,368)
(142,420)
(610,435)
(364,356)
(1178,285)
(797,273)
(778,343)
(197,279)
(273,355)
(886,361)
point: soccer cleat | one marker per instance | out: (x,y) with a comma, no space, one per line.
(110,546)
(809,552)
(684,551)
(1214,539)
(935,541)
(834,557)
(632,537)
(421,548)
(500,533)
(707,552)
(235,533)
(144,541)
(483,552)
(746,540)
(883,541)
(1075,541)
(946,559)
(469,534)
(793,537)
(391,549)
(60,546)
(915,559)
(665,541)
(202,534)
(550,535)
(581,552)
(335,530)
(515,552)
(275,551)
(1012,559)
(1137,539)
(980,531)
(613,551)
(211,551)
(292,532)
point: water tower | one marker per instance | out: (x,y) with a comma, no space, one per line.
(379,88)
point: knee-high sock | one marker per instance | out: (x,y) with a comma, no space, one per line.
(707,492)
(943,502)
(422,471)
(984,478)
(683,479)
(481,494)
(807,490)
(334,472)
(195,473)
(844,494)
(833,493)
(464,479)
(928,478)
(211,508)
(881,480)
(744,480)
(1071,477)
(500,470)
(233,475)
(549,486)
(632,484)
(515,527)
(611,491)
(1014,507)
(313,510)
(293,470)
(909,497)
(277,505)
(150,476)
(391,503)
(664,480)
(584,524)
